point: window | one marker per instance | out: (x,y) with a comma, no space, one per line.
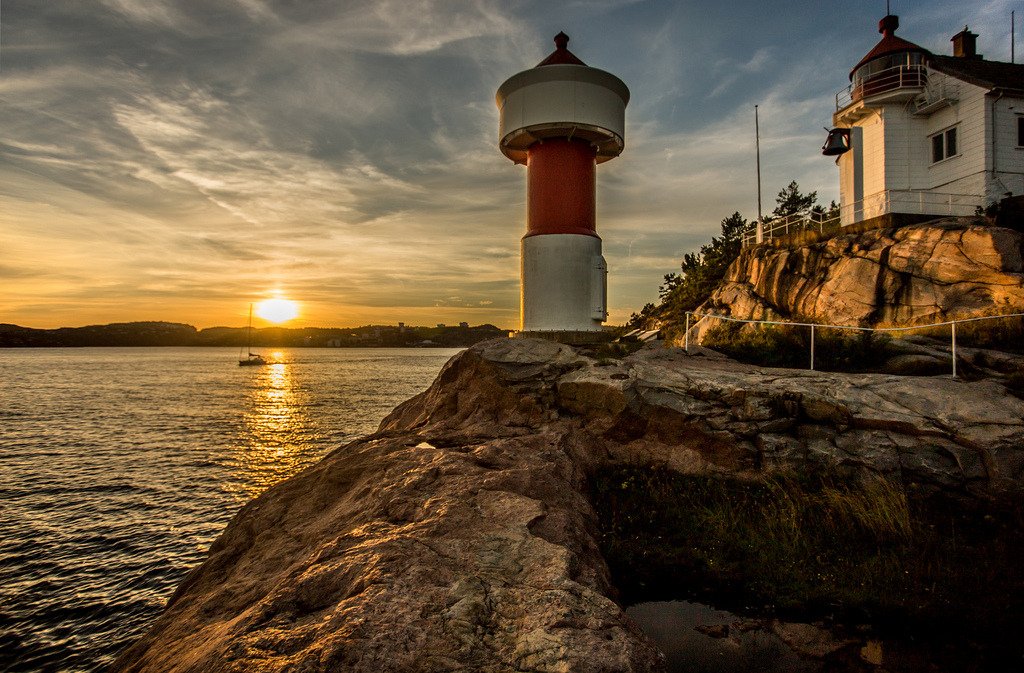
(944,145)
(1020,130)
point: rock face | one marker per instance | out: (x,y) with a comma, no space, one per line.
(460,536)
(910,275)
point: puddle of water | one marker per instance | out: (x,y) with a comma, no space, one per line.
(697,638)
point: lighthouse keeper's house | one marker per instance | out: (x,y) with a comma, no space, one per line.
(921,135)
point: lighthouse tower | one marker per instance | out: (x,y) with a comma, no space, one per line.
(562,118)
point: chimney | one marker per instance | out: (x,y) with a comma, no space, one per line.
(964,44)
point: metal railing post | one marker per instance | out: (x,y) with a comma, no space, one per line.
(953,332)
(812,348)
(686,334)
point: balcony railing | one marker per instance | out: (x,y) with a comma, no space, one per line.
(883,81)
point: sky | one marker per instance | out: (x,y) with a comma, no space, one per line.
(179,159)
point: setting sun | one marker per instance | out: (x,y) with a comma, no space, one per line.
(277,310)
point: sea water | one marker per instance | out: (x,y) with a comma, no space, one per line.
(119,467)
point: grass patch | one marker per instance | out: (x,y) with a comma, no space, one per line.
(835,350)
(863,552)
(839,350)
(612,351)
(1015,383)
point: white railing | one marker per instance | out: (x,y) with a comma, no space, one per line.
(904,201)
(883,81)
(814,326)
(938,92)
(910,202)
(782,226)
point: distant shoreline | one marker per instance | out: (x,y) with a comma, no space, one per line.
(43,347)
(167,334)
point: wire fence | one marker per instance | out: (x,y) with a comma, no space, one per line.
(814,326)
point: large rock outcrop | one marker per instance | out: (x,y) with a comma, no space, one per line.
(911,275)
(460,536)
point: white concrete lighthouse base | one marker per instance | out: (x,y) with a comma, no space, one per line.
(564,283)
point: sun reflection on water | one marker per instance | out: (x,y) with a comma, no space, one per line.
(278,429)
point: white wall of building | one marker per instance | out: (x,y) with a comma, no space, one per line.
(964,173)
(901,164)
(862,169)
(874,152)
(1009,158)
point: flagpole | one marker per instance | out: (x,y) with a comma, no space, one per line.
(757,145)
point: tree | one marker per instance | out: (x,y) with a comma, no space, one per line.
(790,201)
(672,281)
(701,272)
(643,319)
(733,228)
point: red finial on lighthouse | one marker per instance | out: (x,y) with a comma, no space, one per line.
(561,55)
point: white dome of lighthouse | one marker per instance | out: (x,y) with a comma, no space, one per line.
(562,97)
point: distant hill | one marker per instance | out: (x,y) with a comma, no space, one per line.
(115,334)
(178,334)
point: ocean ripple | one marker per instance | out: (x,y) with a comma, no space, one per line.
(121,466)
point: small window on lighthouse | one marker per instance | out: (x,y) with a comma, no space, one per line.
(1020,130)
(944,145)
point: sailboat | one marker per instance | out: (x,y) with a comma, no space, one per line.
(252,359)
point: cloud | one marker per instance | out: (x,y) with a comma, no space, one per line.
(159,12)
(400,28)
(757,61)
(201,154)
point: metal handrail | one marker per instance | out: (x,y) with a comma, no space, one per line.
(860,328)
(913,201)
(789,223)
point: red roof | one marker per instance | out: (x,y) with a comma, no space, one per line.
(889,44)
(561,55)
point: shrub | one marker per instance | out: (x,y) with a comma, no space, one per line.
(790,346)
(1005,334)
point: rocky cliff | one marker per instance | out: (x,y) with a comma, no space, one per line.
(910,275)
(461,536)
